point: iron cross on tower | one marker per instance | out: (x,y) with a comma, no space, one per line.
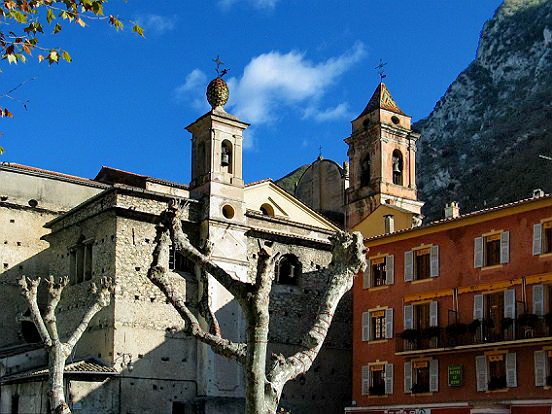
(219,63)
(381,70)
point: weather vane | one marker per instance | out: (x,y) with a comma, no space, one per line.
(381,70)
(219,63)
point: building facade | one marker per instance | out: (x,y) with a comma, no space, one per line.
(134,357)
(455,317)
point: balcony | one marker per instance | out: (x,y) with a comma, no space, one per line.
(527,329)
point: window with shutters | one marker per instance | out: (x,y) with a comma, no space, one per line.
(80,261)
(420,376)
(547,237)
(377,380)
(421,316)
(422,264)
(378,272)
(497,372)
(378,324)
(491,255)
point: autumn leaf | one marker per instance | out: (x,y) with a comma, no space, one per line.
(81,22)
(138,29)
(65,55)
(53,57)
(57,28)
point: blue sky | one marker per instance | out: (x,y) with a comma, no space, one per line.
(301,70)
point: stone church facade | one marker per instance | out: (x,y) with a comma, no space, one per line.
(134,357)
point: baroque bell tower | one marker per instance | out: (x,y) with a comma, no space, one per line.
(382,157)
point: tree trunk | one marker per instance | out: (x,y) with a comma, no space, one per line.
(255,364)
(56,368)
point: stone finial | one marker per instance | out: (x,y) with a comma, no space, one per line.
(217,93)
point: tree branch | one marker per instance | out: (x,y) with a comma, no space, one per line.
(171,219)
(348,258)
(54,295)
(159,276)
(103,299)
(29,289)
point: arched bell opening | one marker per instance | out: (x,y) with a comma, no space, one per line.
(226,156)
(397,167)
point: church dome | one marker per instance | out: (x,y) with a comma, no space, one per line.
(217,92)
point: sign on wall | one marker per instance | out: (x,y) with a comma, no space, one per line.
(455,375)
(409,411)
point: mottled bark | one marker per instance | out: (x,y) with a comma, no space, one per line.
(59,351)
(263,386)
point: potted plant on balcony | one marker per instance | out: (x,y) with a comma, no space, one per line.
(529,320)
(497,383)
(507,323)
(378,389)
(548,319)
(474,326)
(409,335)
(431,332)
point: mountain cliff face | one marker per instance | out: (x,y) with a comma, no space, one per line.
(481,144)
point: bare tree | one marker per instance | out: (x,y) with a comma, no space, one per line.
(264,382)
(47,326)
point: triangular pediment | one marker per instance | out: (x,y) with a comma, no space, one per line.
(266,197)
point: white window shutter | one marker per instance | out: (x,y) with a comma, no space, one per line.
(434,313)
(511,371)
(505,247)
(540,368)
(478,252)
(408,377)
(389,323)
(389,269)
(434,261)
(510,303)
(478,307)
(434,375)
(537,239)
(408,266)
(481,373)
(538,300)
(366,276)
(408,317)
(388,379)
(365,387)
(366,326)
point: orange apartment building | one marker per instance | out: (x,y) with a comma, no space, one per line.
(453,317)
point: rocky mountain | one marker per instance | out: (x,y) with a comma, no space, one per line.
(481,144)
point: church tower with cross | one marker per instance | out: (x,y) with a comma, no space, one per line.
(382,195)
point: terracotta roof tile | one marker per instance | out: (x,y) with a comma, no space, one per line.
(381,99)
(40,170)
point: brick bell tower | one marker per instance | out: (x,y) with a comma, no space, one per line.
(382,157)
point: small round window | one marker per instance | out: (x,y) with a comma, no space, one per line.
(228,211)
(395,120)
(33,203)
(267,210)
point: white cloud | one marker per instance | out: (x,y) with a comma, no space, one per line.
(340,111)
(156,24)
(193,90)
(273,81)
(259,4)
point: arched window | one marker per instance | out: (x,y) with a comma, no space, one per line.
(288,270)
(397,168)
(28,330)
(267,210)
(226,156)
(365,171)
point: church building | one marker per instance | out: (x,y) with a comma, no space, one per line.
(134,358)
